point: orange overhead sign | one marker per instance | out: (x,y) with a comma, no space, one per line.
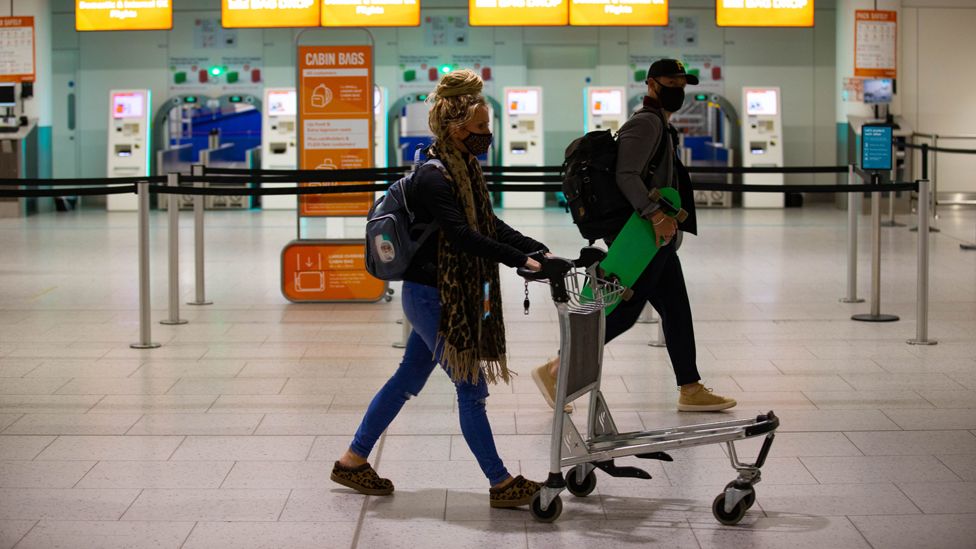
(875,44)
(335,105)
(112,15)
(322,270)
(523,13)
(652,13)
(764,13)
(17,55)
(269,13)
(370,13)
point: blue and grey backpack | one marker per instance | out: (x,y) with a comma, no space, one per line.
(389,245)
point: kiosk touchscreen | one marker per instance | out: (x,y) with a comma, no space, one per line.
(128,141)
(522,140)
(762,144)
(606,108)
(278,141)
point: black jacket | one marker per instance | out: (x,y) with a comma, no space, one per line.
(432,199)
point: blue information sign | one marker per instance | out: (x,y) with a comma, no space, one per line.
(876,149)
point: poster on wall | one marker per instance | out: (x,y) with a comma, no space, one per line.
(764,13)
(370,13)
(875,44)
(610,13)
(523,13)
(269,13)
(16,49)
(116,15)
(681,32)
(335,101)
(446,30)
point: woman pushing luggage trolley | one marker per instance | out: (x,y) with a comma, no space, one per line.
(581,294)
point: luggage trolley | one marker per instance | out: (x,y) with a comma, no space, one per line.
(581,332)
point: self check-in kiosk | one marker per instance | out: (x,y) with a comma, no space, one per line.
(762,143)
(522,143)
(605,108)
(279,140)
(129,147)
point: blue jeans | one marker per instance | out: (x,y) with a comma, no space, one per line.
(421,305)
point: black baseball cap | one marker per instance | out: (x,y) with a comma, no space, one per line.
(670,67)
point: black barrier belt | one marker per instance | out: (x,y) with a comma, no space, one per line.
(80,182)
(935,149)
(378,174)
(53,193)
(767,169)
(345,189)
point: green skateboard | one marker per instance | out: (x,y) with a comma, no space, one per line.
(635,246)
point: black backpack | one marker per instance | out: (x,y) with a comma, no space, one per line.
(598,207)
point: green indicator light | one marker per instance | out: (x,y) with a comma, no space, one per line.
(701,97)
(446,69)
(190,99)
(236,99)
(216,70)
(422,98)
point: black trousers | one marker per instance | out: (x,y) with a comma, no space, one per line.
(662,284)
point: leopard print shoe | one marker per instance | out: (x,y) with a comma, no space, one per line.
(362,479)
(517,493)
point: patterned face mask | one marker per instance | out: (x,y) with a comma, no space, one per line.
(477,143)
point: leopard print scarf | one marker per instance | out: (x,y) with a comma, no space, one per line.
(471,334)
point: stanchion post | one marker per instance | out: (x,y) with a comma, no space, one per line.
(405,334)
(922,297)
(875,314)
(647,315)
(853,207)
(145,306)
(659,341)
(925,176)
(173,205)
(199,282)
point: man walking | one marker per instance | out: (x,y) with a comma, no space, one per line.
(647,158)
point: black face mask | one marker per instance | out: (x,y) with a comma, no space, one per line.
(671,98)
(477,143)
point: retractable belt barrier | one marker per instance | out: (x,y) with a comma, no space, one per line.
(500,178)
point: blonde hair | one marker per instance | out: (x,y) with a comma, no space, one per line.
(454,103)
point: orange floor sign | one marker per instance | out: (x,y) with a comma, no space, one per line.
(328,271)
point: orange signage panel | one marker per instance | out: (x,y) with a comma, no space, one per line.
(523,13)
(336,130)
(322,270)
(112,15)
(764,13)
(370,13)
(269,13)
(17,57)
(875,44)
(651,13)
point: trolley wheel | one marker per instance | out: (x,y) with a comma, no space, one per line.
(750,498)
(388,298)
(550,514)
(580,489)
(728,519)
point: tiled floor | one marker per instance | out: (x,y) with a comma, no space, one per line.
(225,436)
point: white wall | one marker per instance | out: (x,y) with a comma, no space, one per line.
(938,81)
(800,61)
